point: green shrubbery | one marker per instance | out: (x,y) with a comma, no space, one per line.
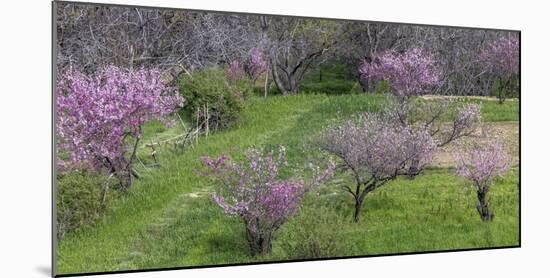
(79,200)
(209,94)
(317,232)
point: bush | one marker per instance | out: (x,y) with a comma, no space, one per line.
(316,232)
(211,89)
(79,197)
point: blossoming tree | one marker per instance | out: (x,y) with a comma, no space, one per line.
(255,192)
(502,57)
(410,73)
(415,72)
(376,151)
(99,117)
(481,164)
(256,64)
(235,71)
(252,67)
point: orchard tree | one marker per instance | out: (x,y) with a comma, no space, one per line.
(502,56)
(235,71)
(481,164)
(465,121)
(253,66)
(375,152)
(295,45)
(255,192)
(433,116)
(366,39)
(256,64)
(99,117)
(443,120)
(410,73)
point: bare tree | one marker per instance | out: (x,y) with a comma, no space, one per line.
(295,45)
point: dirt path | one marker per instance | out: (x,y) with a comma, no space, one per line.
(508,132)
(429,97)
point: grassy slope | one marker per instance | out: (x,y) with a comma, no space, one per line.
(168,220)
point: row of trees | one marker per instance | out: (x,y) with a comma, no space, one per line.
(375,149)
(99,120)
(176,41)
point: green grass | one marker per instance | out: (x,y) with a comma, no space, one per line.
(333,79)
(159,223)
(492,111)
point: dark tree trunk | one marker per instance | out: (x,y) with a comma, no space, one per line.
(501,90)
(359,200)
(413,169)
(365,85)
(357,213)
(126,174)
(259,244)
(483,206)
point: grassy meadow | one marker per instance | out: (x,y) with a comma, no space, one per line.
(168,218)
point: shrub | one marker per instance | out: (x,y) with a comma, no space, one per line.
(79,198)
(255,192)
(316,232)
(210,90)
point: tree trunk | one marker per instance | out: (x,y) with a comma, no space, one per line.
(501,94)
(292,84)
(358,206)
(127,173)
(483,206)
(266,84)
(277,79)
(413,169)
(285,81)
(259,244)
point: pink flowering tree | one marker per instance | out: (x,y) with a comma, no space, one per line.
(481,164)
(235,71)
(410,73)
(256,64)
(502,57)
(441,121)
(99,117)
(251,67)
(255,192)
(375,152)
(465,121)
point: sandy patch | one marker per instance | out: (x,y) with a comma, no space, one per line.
(430,97)
(507,132)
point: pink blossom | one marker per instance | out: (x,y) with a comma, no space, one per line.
(96,113)
(481,163)
(413,72)
(502,55)
(235,70)
(255,192)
